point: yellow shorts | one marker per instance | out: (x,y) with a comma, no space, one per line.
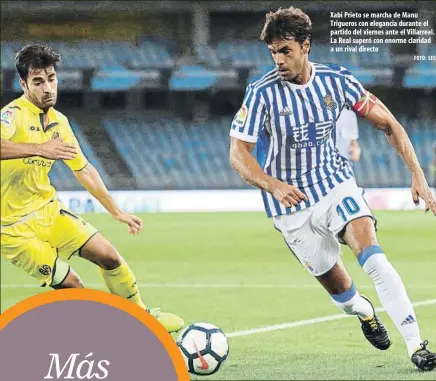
(37,243)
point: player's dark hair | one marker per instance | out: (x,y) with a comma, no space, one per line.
(35,56)
(287,22)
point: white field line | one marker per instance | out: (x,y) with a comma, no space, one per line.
(253,331)
(301,323)
(211,285)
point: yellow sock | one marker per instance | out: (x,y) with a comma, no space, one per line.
(121,281)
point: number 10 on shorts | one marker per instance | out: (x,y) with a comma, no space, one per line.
(349,207)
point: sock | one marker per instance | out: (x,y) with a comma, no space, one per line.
(352,303)
(121,281)
(392,295)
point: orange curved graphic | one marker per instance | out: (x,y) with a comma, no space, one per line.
(105,298)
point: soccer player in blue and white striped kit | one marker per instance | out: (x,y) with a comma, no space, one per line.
(308,188)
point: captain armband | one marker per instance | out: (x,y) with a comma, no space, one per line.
(365,104)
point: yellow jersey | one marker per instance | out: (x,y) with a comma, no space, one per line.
(25,185)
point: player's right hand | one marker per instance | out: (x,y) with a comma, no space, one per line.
(57,149)
(420,189)
(286,194)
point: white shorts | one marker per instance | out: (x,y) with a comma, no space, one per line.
(312,234)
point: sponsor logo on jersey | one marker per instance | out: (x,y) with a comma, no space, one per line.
(38,162)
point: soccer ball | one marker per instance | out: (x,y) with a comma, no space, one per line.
(204,348)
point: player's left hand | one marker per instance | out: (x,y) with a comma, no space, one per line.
(135,223)
(420,189)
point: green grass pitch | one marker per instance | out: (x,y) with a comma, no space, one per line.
(234,270)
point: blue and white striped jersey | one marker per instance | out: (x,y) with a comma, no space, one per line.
(294,128)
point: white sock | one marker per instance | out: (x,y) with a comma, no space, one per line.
(392,295)
(352,303)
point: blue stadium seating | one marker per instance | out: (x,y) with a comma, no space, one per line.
(207,56)
(62,177)
(179,155)
(193,77)
(380,165)
(152,53)
(121,65)
(169,154)
(421,75)
(244,53)
(8,50)
(115,78)
(166,153)
(254,55)
(90,54)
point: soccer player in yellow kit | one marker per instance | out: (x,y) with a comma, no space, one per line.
(38,233)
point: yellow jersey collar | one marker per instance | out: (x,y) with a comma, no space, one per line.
(36,110)
(52,114)
(26,103)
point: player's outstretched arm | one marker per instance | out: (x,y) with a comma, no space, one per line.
(93,183)
(381,117)
(54,149)
(249,169)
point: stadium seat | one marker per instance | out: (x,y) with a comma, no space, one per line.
(198,77)
(115,78)
(192,77)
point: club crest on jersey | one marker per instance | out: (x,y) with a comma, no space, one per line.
(241,116)
(330,103)
(45,269)
(55,135)
(8,117)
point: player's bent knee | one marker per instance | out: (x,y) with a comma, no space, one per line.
(109,258)
(360,233)
(101,252)
(71,280)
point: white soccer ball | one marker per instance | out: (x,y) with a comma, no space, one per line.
(204,348)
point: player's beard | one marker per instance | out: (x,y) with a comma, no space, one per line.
(292,77)
(297,78)
(289,76)
(48,102)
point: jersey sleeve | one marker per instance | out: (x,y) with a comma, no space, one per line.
(249,121)
(80,161)
(8,123)
(353,89)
